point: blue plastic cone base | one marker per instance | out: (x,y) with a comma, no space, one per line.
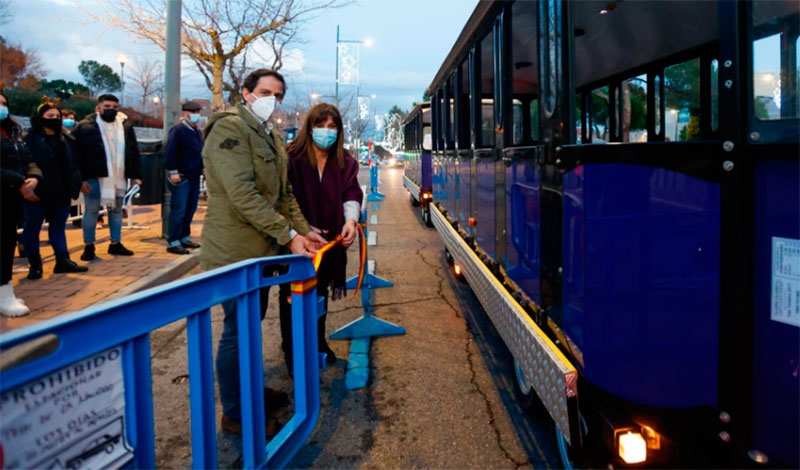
(370,281)
(366,327)
(376,196)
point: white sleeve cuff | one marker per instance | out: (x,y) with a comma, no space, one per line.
(292,233)
(352,211)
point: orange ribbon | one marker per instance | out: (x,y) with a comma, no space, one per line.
(362,255)
(325,248)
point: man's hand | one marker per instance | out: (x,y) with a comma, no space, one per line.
(136,181)
(85,188)
(301,245)
(349,233)
(27,190)
(175,178)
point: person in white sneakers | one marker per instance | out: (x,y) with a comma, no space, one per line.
(19,178)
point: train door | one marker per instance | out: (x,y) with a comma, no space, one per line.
(552,114)
(772,148)
(522,180)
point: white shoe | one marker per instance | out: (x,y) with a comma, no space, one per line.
(11,306)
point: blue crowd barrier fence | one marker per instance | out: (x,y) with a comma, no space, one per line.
(77,390)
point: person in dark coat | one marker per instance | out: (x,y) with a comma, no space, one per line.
(51,150)
(108,155)
(19,179)
(183,160)
(324,178)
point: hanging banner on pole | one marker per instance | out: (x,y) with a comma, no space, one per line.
(348,64)
(363,107)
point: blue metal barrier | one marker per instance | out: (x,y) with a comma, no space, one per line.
(374,194)
(79,387)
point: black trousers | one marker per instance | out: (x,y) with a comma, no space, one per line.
(8,243)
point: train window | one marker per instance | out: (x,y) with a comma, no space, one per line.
(634,109)
(598,119)
(772,98)
(550,58)
(462,118)
(487,92)
(449,112)
(714,79)
(776,60)
(516,119)
(682,97)
(524,58)
(657,103)
(617,105)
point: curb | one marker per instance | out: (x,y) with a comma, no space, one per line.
(163,275)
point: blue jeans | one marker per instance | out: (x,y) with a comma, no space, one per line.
(92,209)
(183,204)
(228,358)
(35,214)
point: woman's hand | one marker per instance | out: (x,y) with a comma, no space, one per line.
(85,188)
(349,233)
(27,190)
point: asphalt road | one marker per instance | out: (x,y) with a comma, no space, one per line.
(440,396)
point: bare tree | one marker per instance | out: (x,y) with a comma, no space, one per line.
(216,34)
(149,76)
(5,12)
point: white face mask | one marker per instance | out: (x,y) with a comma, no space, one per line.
(263,107)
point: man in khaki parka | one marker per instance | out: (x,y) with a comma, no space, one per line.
(251,213)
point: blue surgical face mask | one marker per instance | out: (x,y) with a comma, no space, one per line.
(194,118)
(324,137)
(3,112)
(69,123)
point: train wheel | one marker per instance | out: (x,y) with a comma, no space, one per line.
(525,393)
(564,452)
(426,217)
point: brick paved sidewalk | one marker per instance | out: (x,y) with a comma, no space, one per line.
(109,276)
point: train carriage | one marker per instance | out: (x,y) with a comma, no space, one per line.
(618,182)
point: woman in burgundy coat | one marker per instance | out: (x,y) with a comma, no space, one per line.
(324,179)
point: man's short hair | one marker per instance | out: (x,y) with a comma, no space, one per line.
(107,97)
(252,79)
(67,112)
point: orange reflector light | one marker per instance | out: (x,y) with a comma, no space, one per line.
(426,196)
(632,447)
(473,221)
(457,269)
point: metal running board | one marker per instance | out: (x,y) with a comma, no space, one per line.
(544,366)
(411,186)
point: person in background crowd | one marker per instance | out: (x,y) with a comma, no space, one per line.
(324,178)
(51,150)
(19,178)
(68,120)
(183,161)
(251,213)
(107,154)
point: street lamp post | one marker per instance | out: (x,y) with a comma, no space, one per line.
(366,42)
(122,58)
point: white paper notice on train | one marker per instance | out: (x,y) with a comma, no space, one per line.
(785,294)
(72,418)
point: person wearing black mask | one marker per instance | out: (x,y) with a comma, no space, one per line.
(20,176)
(51,150)
(108,155)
